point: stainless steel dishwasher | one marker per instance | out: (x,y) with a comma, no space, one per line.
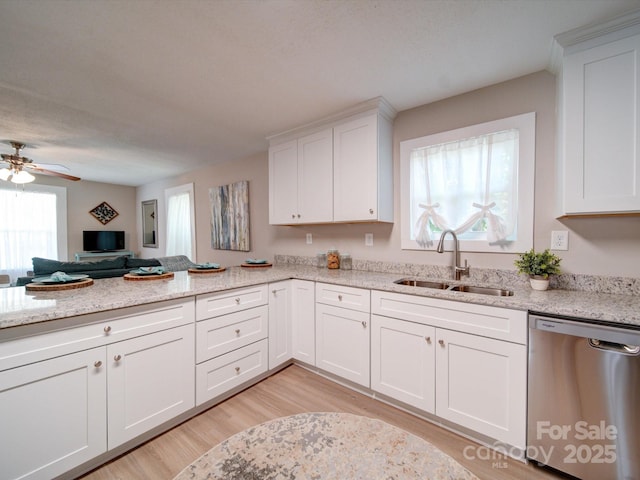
(584,398)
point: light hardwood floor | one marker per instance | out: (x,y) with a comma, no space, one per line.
(291,391)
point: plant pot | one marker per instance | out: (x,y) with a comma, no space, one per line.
(539,283)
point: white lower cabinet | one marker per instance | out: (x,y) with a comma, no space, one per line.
(280,305)
(303,321)
(481,384)
(53,415)
(403,361)
(150,381)
(342,342)
(470,379)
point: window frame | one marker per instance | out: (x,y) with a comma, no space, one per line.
(525,123)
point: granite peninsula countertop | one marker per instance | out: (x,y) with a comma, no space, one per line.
(20,307)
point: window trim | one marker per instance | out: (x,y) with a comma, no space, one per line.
(525,123)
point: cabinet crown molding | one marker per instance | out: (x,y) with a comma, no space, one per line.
(590,35)
(378,104)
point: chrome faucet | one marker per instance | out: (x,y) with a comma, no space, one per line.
(457,269)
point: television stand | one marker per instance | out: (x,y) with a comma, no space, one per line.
(111,253)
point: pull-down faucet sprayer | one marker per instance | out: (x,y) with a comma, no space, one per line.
(457,269)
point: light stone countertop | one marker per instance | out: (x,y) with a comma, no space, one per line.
(20,307)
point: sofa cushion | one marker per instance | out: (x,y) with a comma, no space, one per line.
(142,262)
(45,266)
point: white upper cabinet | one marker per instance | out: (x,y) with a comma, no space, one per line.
(599,94)
(363,170)
(300,180)
(338,169)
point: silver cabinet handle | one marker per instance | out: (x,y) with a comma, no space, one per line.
(371,211)
(237,369)
(238,331)
(364,324)
(298,215)
(107,329)
(237,301)
(117,358)
(274,291)
(441,342)
(97,363)
(293,215)
(428,339)
(340,298)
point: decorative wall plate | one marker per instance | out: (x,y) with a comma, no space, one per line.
(104,213)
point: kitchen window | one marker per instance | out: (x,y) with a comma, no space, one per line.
(476,181)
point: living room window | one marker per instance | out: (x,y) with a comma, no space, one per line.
(180,221)
(476,181)
(33,223)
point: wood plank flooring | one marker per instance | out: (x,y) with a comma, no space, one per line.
(291,391)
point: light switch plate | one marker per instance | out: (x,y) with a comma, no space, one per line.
(309,239)
(560,240)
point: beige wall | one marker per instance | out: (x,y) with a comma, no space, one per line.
(83,196)
(604,246)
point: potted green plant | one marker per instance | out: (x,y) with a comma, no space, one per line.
(538,266)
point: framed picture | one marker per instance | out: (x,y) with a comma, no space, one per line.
(150,223)
(230,216)
(104,213)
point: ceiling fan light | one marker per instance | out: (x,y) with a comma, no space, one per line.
(5,173)
(22,177)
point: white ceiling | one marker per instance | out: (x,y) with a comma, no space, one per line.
(133,91)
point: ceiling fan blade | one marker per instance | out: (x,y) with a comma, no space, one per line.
(47,166)
(44,171)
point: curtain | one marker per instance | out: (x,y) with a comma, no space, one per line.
(179,225)
(28,228)
(457,184)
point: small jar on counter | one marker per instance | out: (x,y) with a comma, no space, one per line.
(321,260)
(346,262)
(333,259)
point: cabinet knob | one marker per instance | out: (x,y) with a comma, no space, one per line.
(371,211)
(117,358)
(441,342)
(364,324)
(428,339)
(107,329)
(274,291)
(237,369)
(237,301)
(97,363)
(298,215)
(238,331)
(340,298)
(293,215)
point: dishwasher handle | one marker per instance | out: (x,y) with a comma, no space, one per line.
(607,334)
(621,348)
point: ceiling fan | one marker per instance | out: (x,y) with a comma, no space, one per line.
(16,170)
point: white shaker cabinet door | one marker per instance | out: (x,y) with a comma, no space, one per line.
(481,384)
(315,177)
(151,380)
(342,343)
(601,150)
(283,183)
(53,415)
(303,320)
(403,361)
(279,323)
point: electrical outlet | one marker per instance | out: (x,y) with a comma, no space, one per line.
(560,240)
(309,239)
(368,239)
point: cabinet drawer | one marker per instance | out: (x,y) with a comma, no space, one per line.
(345,297)
(97,329)
(220,335)
(499,323)
(229,301)
(219,375)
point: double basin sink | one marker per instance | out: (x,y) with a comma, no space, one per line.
(496,292)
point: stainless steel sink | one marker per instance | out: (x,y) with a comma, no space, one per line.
(496,292)
(421,283)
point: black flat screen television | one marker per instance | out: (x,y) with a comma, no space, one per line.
(102,240)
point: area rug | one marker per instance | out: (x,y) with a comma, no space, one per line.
(325,446)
